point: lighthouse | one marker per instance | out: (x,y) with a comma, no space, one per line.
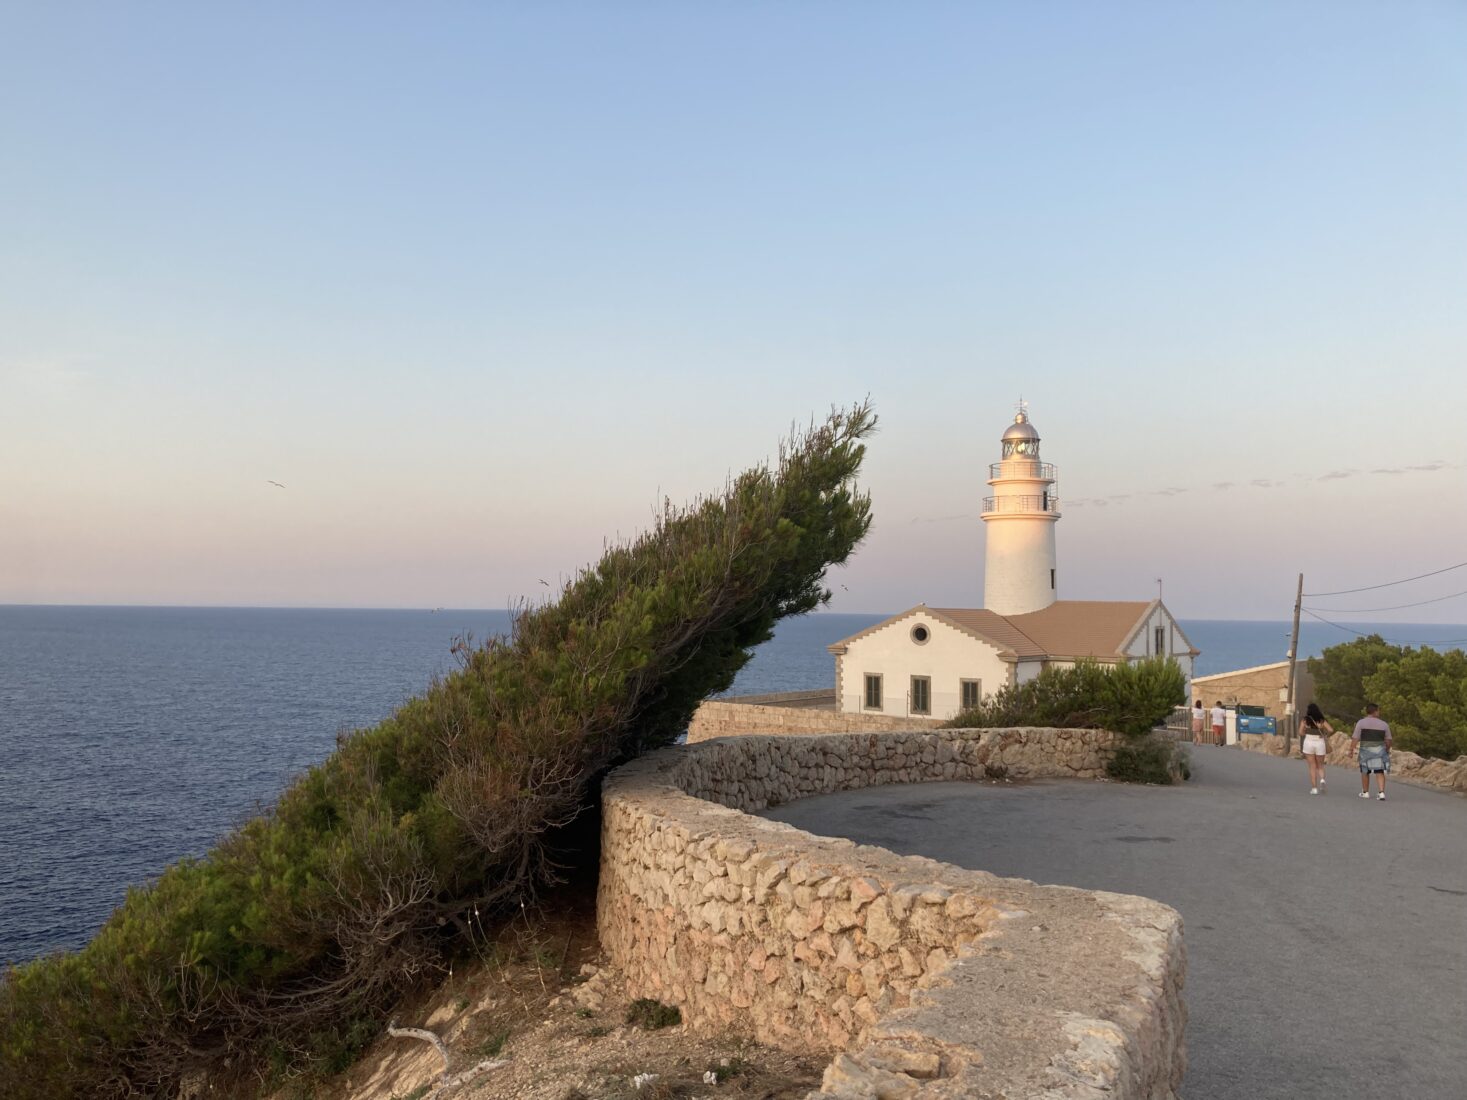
(1019,562)
(936,662)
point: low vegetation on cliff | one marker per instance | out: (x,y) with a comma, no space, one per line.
(286,944)
(1130,699)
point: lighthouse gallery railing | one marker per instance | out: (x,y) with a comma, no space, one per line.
(1021,504)
(1021,468)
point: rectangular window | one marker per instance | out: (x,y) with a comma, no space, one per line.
(873,692)
(1160,641)
(921,695)
(1051,580)
(971,691)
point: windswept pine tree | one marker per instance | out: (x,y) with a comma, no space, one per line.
(286,944)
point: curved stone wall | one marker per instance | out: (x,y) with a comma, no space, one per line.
(921,979)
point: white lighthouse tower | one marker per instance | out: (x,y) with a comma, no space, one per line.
(1019,563)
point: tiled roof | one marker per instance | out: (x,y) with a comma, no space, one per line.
(1065,629)
(992,626)
(1083,628)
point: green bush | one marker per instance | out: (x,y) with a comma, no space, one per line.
(1127,698)
(1130,699)
(1422,692)
(1149,759)
(1339,674)
(650,1015)
(1423,695)
(284,946)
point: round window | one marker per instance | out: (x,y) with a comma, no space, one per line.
(920,634)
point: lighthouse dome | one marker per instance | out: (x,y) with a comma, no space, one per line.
(1020,429)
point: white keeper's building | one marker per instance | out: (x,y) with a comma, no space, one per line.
(936,661)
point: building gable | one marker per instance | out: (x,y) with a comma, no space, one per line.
(949,656)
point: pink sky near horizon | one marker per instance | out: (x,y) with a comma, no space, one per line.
(369,537)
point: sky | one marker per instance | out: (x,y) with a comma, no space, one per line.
(480,284)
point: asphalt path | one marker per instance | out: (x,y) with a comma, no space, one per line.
(1326,935)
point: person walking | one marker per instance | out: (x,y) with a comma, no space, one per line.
(1219,723)
(1313,733)
(1198,716)
(1372,741)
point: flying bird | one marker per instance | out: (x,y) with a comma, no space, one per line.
(274,483)
(544,582)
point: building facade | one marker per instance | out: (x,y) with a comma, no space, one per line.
(933,662)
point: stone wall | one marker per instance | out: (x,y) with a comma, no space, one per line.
(1449,775)
(922,979)
(729,719)
(1258,687)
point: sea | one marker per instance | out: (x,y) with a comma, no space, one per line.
(131,737)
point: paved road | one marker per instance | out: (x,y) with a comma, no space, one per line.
(1326,936)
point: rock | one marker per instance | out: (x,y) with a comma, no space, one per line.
(588,997)
(881,929)
(849,1080)
(899,1059)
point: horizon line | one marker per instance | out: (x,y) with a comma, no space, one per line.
(496,610)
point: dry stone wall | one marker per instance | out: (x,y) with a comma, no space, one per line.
(1449,775)
(719,719)
(921,979)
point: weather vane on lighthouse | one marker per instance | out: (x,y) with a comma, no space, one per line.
(1022,408)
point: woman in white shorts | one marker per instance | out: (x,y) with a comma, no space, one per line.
(1314,732)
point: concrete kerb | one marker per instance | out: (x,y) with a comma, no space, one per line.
(921,979)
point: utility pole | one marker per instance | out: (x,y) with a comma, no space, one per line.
(1289,722)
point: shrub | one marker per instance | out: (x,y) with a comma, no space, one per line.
(1423,695)
(1339,674)
(1422,692)
(283,947)
(651,1015)
(1149,759)
(1130,699)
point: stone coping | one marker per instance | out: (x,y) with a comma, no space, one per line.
(819,697)
(922,980)
(735,718)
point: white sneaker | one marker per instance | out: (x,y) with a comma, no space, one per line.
(1313,790)
(1380,797)
(1364,794)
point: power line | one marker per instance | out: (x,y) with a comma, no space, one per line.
(1433,642)
(1396,607)
(1388,584)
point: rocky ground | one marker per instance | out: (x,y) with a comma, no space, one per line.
(547,1020)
